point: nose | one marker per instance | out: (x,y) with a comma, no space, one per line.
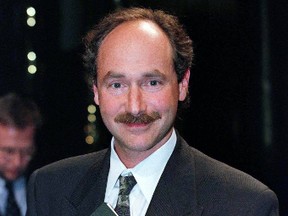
(135,101)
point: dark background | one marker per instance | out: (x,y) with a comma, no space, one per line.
(238,112)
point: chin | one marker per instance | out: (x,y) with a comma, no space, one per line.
(12,177)
(142,146)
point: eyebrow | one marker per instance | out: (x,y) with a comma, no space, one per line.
(149,74)
(155,73)
(112,74)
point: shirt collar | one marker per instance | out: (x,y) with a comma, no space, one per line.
(147,173)
(16,183)
(2,183)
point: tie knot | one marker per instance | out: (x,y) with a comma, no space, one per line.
(126,184)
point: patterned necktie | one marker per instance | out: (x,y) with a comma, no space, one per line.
(12,208)
(126,185)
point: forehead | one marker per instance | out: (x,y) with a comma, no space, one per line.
(127,29)
(133,45)
(15,137)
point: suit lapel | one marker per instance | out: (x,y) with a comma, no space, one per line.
(175,193)
(90,192)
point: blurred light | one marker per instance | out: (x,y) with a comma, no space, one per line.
(91,118)
(90,128)
(89,140)
(31,11)
(31,21)
(31,56)
(91,109)
(32,69)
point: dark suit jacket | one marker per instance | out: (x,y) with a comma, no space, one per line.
(191,184)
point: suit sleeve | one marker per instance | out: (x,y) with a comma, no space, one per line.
(266,204)
(31,198)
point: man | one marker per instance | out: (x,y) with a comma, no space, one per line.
(19,118)
(140,61)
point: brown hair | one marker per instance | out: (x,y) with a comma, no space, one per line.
(19,112)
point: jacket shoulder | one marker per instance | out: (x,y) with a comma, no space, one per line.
(223,188)
(76,163)
(67,172)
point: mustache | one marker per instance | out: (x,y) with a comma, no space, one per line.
(128,118)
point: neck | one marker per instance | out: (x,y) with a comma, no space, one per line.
(131,158)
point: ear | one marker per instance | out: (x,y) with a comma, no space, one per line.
(184,86)
(96,94)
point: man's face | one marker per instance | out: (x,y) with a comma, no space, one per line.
(16,150)
(137,89)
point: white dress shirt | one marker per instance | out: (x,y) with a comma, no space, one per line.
(19,187)
(147,174)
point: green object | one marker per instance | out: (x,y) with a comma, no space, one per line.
(104,210)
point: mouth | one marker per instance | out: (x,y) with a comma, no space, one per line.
(137,125)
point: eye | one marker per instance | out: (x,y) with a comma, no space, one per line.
(154,83)
(9,151)
(116,85)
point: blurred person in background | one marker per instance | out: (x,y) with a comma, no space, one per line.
(19,119)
